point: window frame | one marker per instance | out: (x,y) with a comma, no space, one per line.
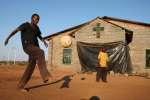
(147,58)
(67,54)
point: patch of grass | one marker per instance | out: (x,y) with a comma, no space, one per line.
(12,62)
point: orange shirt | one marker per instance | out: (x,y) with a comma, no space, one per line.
(103,58)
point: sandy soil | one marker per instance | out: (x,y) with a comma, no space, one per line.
(69,85)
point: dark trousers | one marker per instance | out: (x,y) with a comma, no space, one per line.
(36,56)
(101,74)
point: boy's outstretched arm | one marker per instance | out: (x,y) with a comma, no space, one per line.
(10,35)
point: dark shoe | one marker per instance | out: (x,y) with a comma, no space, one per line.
(97,80)
(46,81)
(105,81)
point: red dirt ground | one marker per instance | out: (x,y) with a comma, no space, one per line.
(80,86)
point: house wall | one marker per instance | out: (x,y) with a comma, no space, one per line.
(111,33)
(55,53)
(141,42)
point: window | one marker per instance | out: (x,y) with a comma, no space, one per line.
(67,56)
(147,58)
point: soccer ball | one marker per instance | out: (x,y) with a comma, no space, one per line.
(66,41)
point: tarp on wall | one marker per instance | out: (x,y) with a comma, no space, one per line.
(119,57)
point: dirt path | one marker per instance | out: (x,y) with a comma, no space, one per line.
(76,87)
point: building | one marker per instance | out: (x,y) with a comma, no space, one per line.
(63,44)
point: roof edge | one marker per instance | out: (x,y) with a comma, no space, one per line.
(127,21)
(105,18)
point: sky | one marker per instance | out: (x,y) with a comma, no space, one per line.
(57,15)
